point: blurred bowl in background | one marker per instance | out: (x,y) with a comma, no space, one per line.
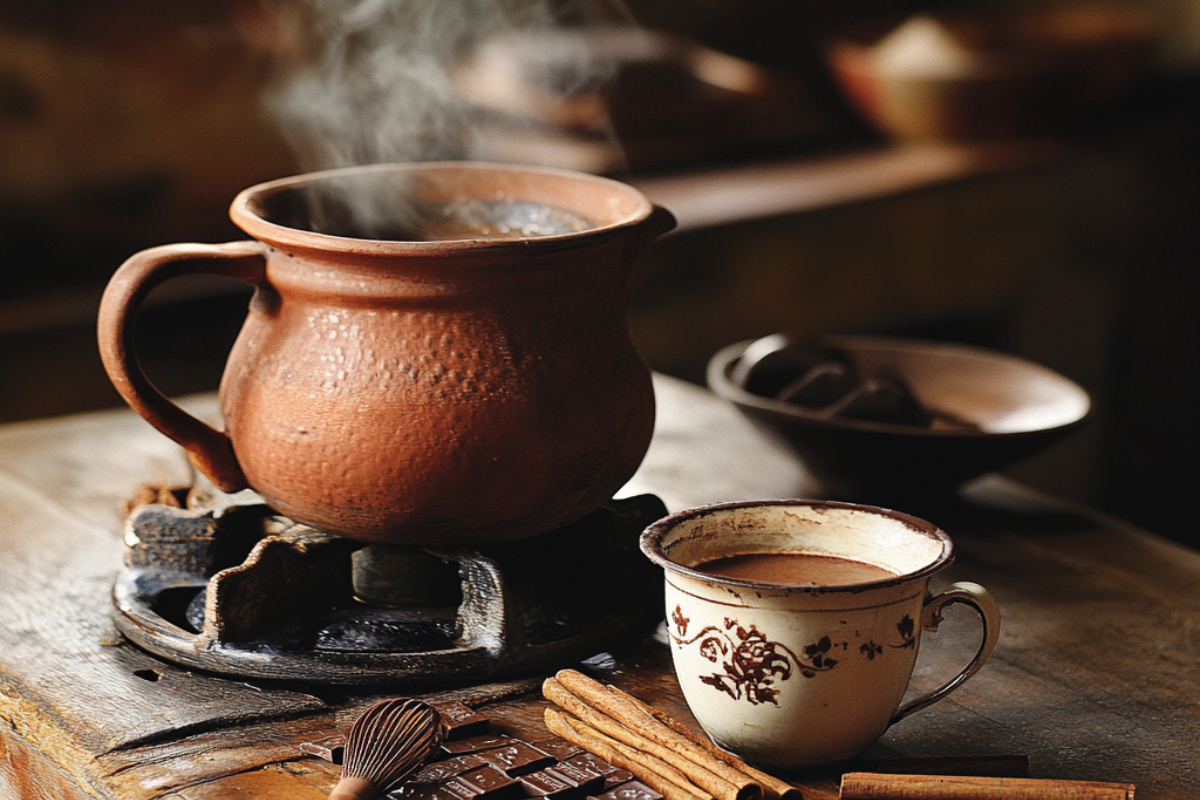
(1099,52)
(966,79)
(976,410)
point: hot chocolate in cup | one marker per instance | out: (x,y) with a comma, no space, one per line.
(794,625)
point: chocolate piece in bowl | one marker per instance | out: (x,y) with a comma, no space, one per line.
(979,411)
(882,400)
(822,385)
(774,363)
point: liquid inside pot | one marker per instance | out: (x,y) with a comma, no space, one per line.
(395,212)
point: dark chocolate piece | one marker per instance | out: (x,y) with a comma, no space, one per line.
(630,790)
(882,400)
(772,362)
(616,778)
(460,721)
(457,790)
(331,748)
(823,385)
(586,781)
(561,749)
(547,783)
(444,770)
(486,782)
(517,758)
(591,764)
(474,744)
(425,791)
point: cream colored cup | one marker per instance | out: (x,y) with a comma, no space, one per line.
(793,675)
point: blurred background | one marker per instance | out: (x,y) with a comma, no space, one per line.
(1021,177)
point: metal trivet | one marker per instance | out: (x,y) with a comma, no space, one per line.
(249,594)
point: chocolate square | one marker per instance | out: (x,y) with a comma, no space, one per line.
(517,758)
(475,744)
(486,782)
(549,785)
(591,763)
(461,721)
(630,790)
(616,778)
(586,781)
(444,770)
(425,791)
(561,749)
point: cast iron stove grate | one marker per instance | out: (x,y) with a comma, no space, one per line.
(245,593)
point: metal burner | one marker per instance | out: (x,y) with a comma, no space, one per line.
(243,592)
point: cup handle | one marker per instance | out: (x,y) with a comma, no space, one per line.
(209,449)
(979,598)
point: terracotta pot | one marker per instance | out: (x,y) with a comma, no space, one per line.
(469,379)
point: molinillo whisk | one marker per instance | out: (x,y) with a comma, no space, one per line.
(385,745)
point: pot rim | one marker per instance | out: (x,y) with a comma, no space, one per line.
(651,545)
(246,208)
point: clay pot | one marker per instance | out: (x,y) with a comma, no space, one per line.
(468,378)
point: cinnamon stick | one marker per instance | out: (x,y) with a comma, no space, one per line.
(870,786)
(628,715)
(706,779)
(658,775)
(773,788)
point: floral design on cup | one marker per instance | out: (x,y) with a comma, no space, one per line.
(752,662)
(907,629)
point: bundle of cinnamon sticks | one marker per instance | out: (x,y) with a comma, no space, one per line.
(664,755)
(680,765)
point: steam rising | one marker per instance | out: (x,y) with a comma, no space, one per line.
(373,79)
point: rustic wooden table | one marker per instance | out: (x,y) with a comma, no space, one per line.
(1095,677)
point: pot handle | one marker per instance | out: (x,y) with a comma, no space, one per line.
(209,449)
(659,221)
(979,598)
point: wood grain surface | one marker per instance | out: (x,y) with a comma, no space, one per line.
(1094,677)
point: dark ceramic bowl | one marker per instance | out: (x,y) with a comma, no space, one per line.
(988,410)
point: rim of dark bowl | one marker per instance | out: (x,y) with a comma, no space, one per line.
(721,384)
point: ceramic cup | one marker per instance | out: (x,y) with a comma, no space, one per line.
(791,675)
